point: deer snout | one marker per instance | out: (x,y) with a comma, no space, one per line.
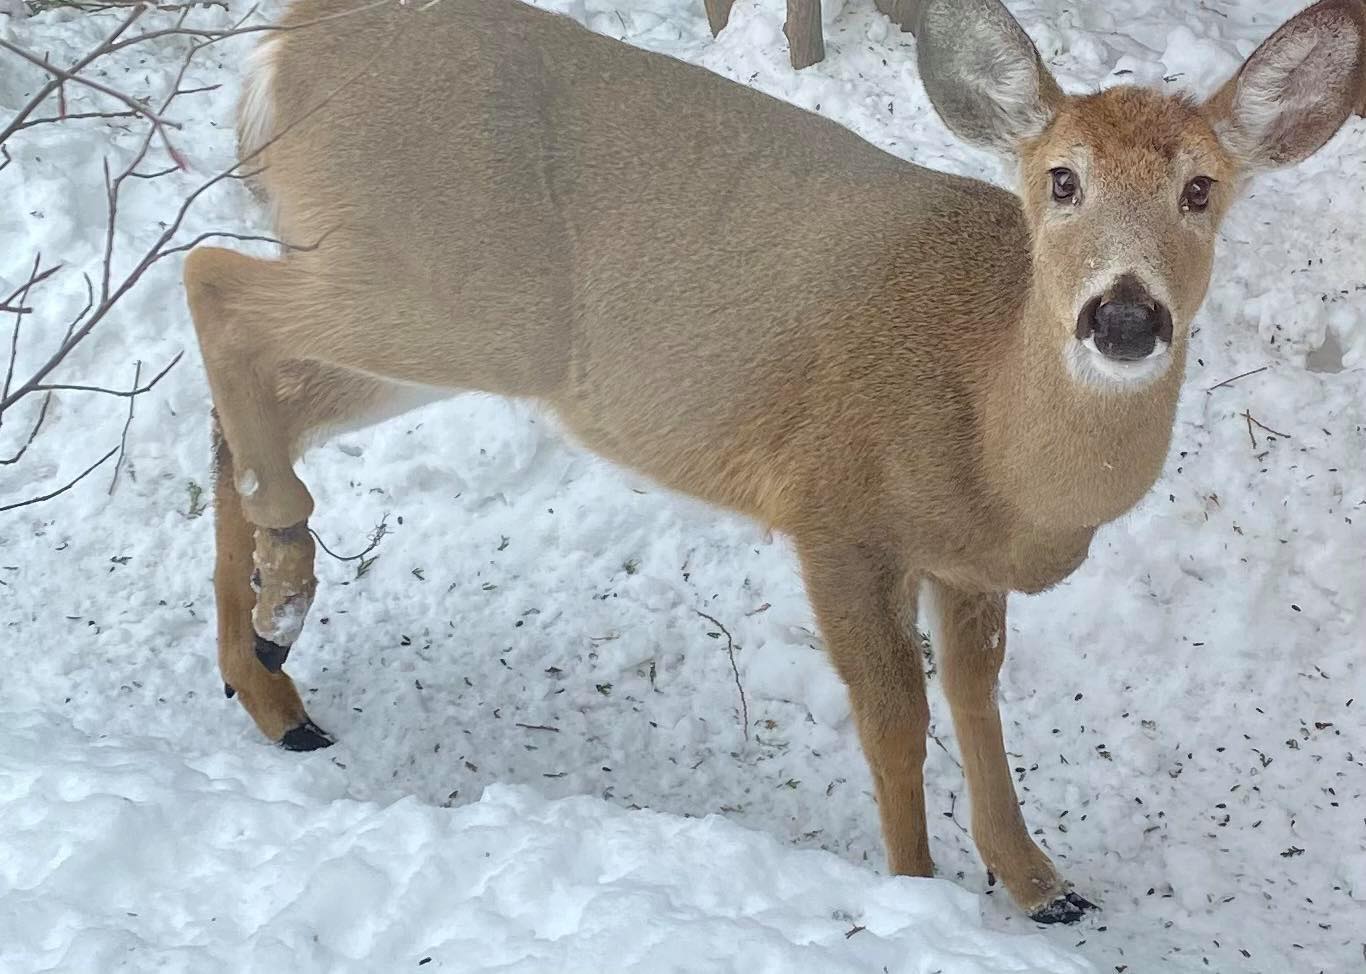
(1126,322)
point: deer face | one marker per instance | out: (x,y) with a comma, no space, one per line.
(1124,190)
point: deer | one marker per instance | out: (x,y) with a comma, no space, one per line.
(937,389)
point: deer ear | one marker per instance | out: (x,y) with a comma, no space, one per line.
(1295,91)
(983,74)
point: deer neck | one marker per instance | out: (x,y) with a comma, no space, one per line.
(1064,454)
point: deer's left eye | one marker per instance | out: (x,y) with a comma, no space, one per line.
(1196,194)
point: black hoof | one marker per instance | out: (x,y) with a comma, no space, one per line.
(308,736)
(228,691)
(1068,908)
(272,655)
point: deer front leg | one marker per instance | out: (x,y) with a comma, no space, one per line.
(968,636)
(860,604)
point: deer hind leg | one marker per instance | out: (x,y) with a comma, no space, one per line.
(243,363)
(267,693)
(313,399)
(861,605)
(267,407)
(968,634)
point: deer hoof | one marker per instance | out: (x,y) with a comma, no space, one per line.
(1068,908)
(308,736)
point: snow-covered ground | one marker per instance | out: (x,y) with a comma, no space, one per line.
(1184,713)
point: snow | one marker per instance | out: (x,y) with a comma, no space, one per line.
(1182,713)
(104,875)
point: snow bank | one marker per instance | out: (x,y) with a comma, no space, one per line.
(120,855)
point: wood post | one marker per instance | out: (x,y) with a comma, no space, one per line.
(806,44)
(903,13)
(718,14)
(803,29)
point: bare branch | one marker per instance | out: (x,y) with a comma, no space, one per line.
(118,393)
(379,533)
(246,237)
(72,116)
(104,47)
(730,650)
(61,490)
(1264,428)
(32,435)
(20,295)
(123,438)
(36,278)
(1244,375)
(158,122)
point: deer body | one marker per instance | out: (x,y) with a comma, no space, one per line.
(503,201)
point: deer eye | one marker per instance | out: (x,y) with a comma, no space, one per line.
(1196,194)
(1066,186)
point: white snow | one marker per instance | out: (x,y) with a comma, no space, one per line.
(1183,713)
(123,855)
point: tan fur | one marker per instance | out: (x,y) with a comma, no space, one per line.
(739,299)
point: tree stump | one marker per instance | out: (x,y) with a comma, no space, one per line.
(805,43)
(903,13)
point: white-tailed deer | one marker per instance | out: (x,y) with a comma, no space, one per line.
(938,389)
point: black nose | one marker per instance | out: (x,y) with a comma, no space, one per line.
(1126,321)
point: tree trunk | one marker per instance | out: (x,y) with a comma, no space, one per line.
(903,13)
(718,14)
(803,30)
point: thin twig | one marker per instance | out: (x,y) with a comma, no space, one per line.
(72,116)
(379,533)
(952,813)
(33,279)
(936,739)
(730,651)
(246,238)
(119,393)
(158,122)
(32,434)
(1264,427)
(1250,435)
(155,175)
(21,296)
(43,93)
(123,439)
(61,490)
(1229,382)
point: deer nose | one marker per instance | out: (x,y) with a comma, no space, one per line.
(1126,322)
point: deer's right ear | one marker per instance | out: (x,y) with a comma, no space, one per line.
(983,74)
